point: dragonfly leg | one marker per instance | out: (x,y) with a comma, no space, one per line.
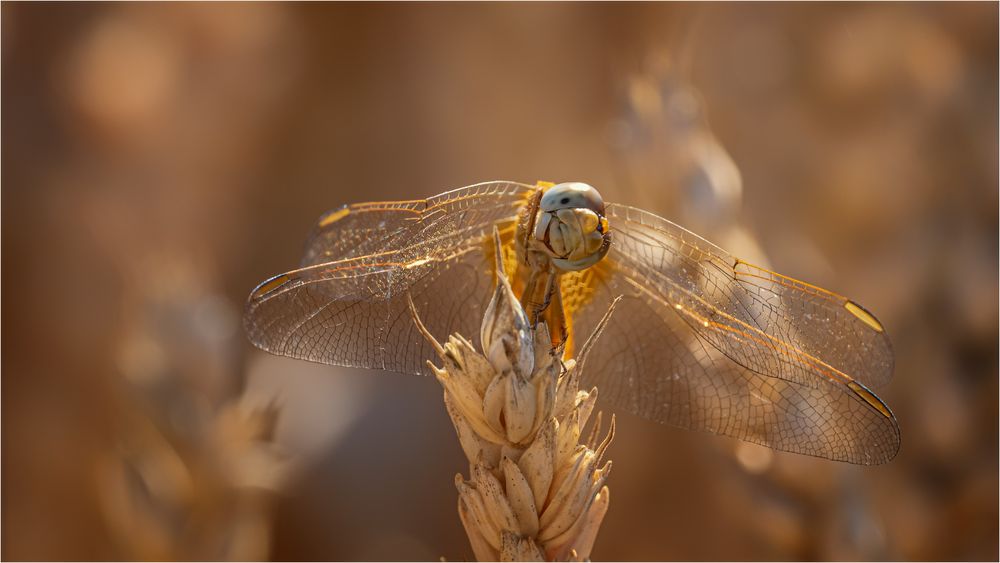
(542,300)
(555,316)
(533,297)
(526,227)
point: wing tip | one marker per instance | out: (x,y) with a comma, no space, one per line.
(264,291)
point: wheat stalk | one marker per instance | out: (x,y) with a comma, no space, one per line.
(535,491)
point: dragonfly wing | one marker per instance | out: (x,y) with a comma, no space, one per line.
(768,323)
(651,363)
(347,305)
(362,229)
(659,360)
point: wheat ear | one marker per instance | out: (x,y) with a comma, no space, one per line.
(535,490)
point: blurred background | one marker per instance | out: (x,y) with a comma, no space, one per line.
(161,160)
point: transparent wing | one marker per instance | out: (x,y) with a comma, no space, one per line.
(347,304)
(707,342)
(766,322)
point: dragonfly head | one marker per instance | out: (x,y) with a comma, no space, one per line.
(572,226)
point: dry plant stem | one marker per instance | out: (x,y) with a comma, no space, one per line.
(535,491)
(195,467)
(168,496)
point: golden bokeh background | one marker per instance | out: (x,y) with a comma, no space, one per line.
(161,159)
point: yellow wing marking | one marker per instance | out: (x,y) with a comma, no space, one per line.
(863,315)
(870,398)
(334,217)
(272,284)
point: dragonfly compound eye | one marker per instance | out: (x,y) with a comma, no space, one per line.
(572,227)
(570,195)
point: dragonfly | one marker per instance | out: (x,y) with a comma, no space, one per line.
(700,339)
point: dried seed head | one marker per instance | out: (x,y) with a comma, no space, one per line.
(535,491)
(506,332)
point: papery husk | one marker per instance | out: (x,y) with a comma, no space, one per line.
(535,492)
